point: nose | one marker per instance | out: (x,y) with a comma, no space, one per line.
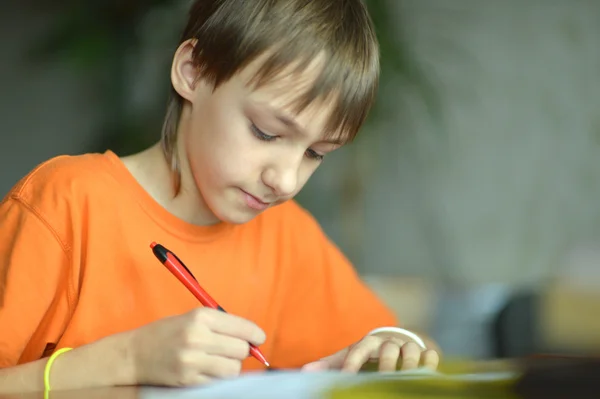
(282,178)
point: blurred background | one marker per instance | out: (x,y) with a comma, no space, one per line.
(470,201)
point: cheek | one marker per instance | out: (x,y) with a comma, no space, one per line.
(220,149)
(304,174)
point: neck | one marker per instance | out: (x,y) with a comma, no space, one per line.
(153,173)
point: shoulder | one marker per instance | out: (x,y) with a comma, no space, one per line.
(53,198)
(61,190)
(62,176)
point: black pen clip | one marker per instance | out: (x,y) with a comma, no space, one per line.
(184,266)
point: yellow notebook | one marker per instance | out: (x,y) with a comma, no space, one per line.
(402,385)
(456,379)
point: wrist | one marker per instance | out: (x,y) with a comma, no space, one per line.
(123,354)
(104,363)
(107,362)
(399,332)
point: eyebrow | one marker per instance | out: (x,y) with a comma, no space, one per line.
(286,120)
(291,123)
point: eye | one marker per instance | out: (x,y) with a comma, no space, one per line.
(314,155)
(259,134)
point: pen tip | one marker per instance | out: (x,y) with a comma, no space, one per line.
(267,364)
(152,245)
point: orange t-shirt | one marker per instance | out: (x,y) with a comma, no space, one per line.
(76,266)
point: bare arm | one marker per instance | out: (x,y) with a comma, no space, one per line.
(107,362)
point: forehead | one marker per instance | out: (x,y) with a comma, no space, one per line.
(287,92)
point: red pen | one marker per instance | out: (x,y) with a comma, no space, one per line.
(185,276)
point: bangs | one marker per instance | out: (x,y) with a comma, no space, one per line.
(348,88)
(289,35)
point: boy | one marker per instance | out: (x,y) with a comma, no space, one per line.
(262,91)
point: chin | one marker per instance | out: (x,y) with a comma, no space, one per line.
(237,218)
(230,208)
(233,215)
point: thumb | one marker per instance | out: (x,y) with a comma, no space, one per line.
(333,362)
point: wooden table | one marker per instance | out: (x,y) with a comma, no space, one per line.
(96,393)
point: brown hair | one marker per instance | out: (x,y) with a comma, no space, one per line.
(230,34)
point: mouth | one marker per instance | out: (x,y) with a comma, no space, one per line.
(255,202)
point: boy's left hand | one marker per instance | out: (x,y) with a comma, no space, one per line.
(387,350)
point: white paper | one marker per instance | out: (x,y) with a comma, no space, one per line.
(295,384)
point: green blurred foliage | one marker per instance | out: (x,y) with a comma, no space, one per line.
(97,39)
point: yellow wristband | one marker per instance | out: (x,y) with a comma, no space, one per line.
(49,366)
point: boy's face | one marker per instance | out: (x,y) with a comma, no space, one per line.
(246,150)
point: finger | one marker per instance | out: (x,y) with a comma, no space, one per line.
(226,346)
(220,367)
(192,379)
(185,372)
(200,379)
(389,353)
(232,325)
(319,365)
(411,355)
(360,353)
(335,361)
(430,359)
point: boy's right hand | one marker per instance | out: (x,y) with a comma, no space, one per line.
(193,348)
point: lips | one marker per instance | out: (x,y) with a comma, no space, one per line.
(255,203)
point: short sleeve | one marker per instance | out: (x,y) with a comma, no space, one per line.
(33,269)
(327,306)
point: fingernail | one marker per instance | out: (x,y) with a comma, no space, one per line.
(314,366)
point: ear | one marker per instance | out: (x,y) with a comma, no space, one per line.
(184,74)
